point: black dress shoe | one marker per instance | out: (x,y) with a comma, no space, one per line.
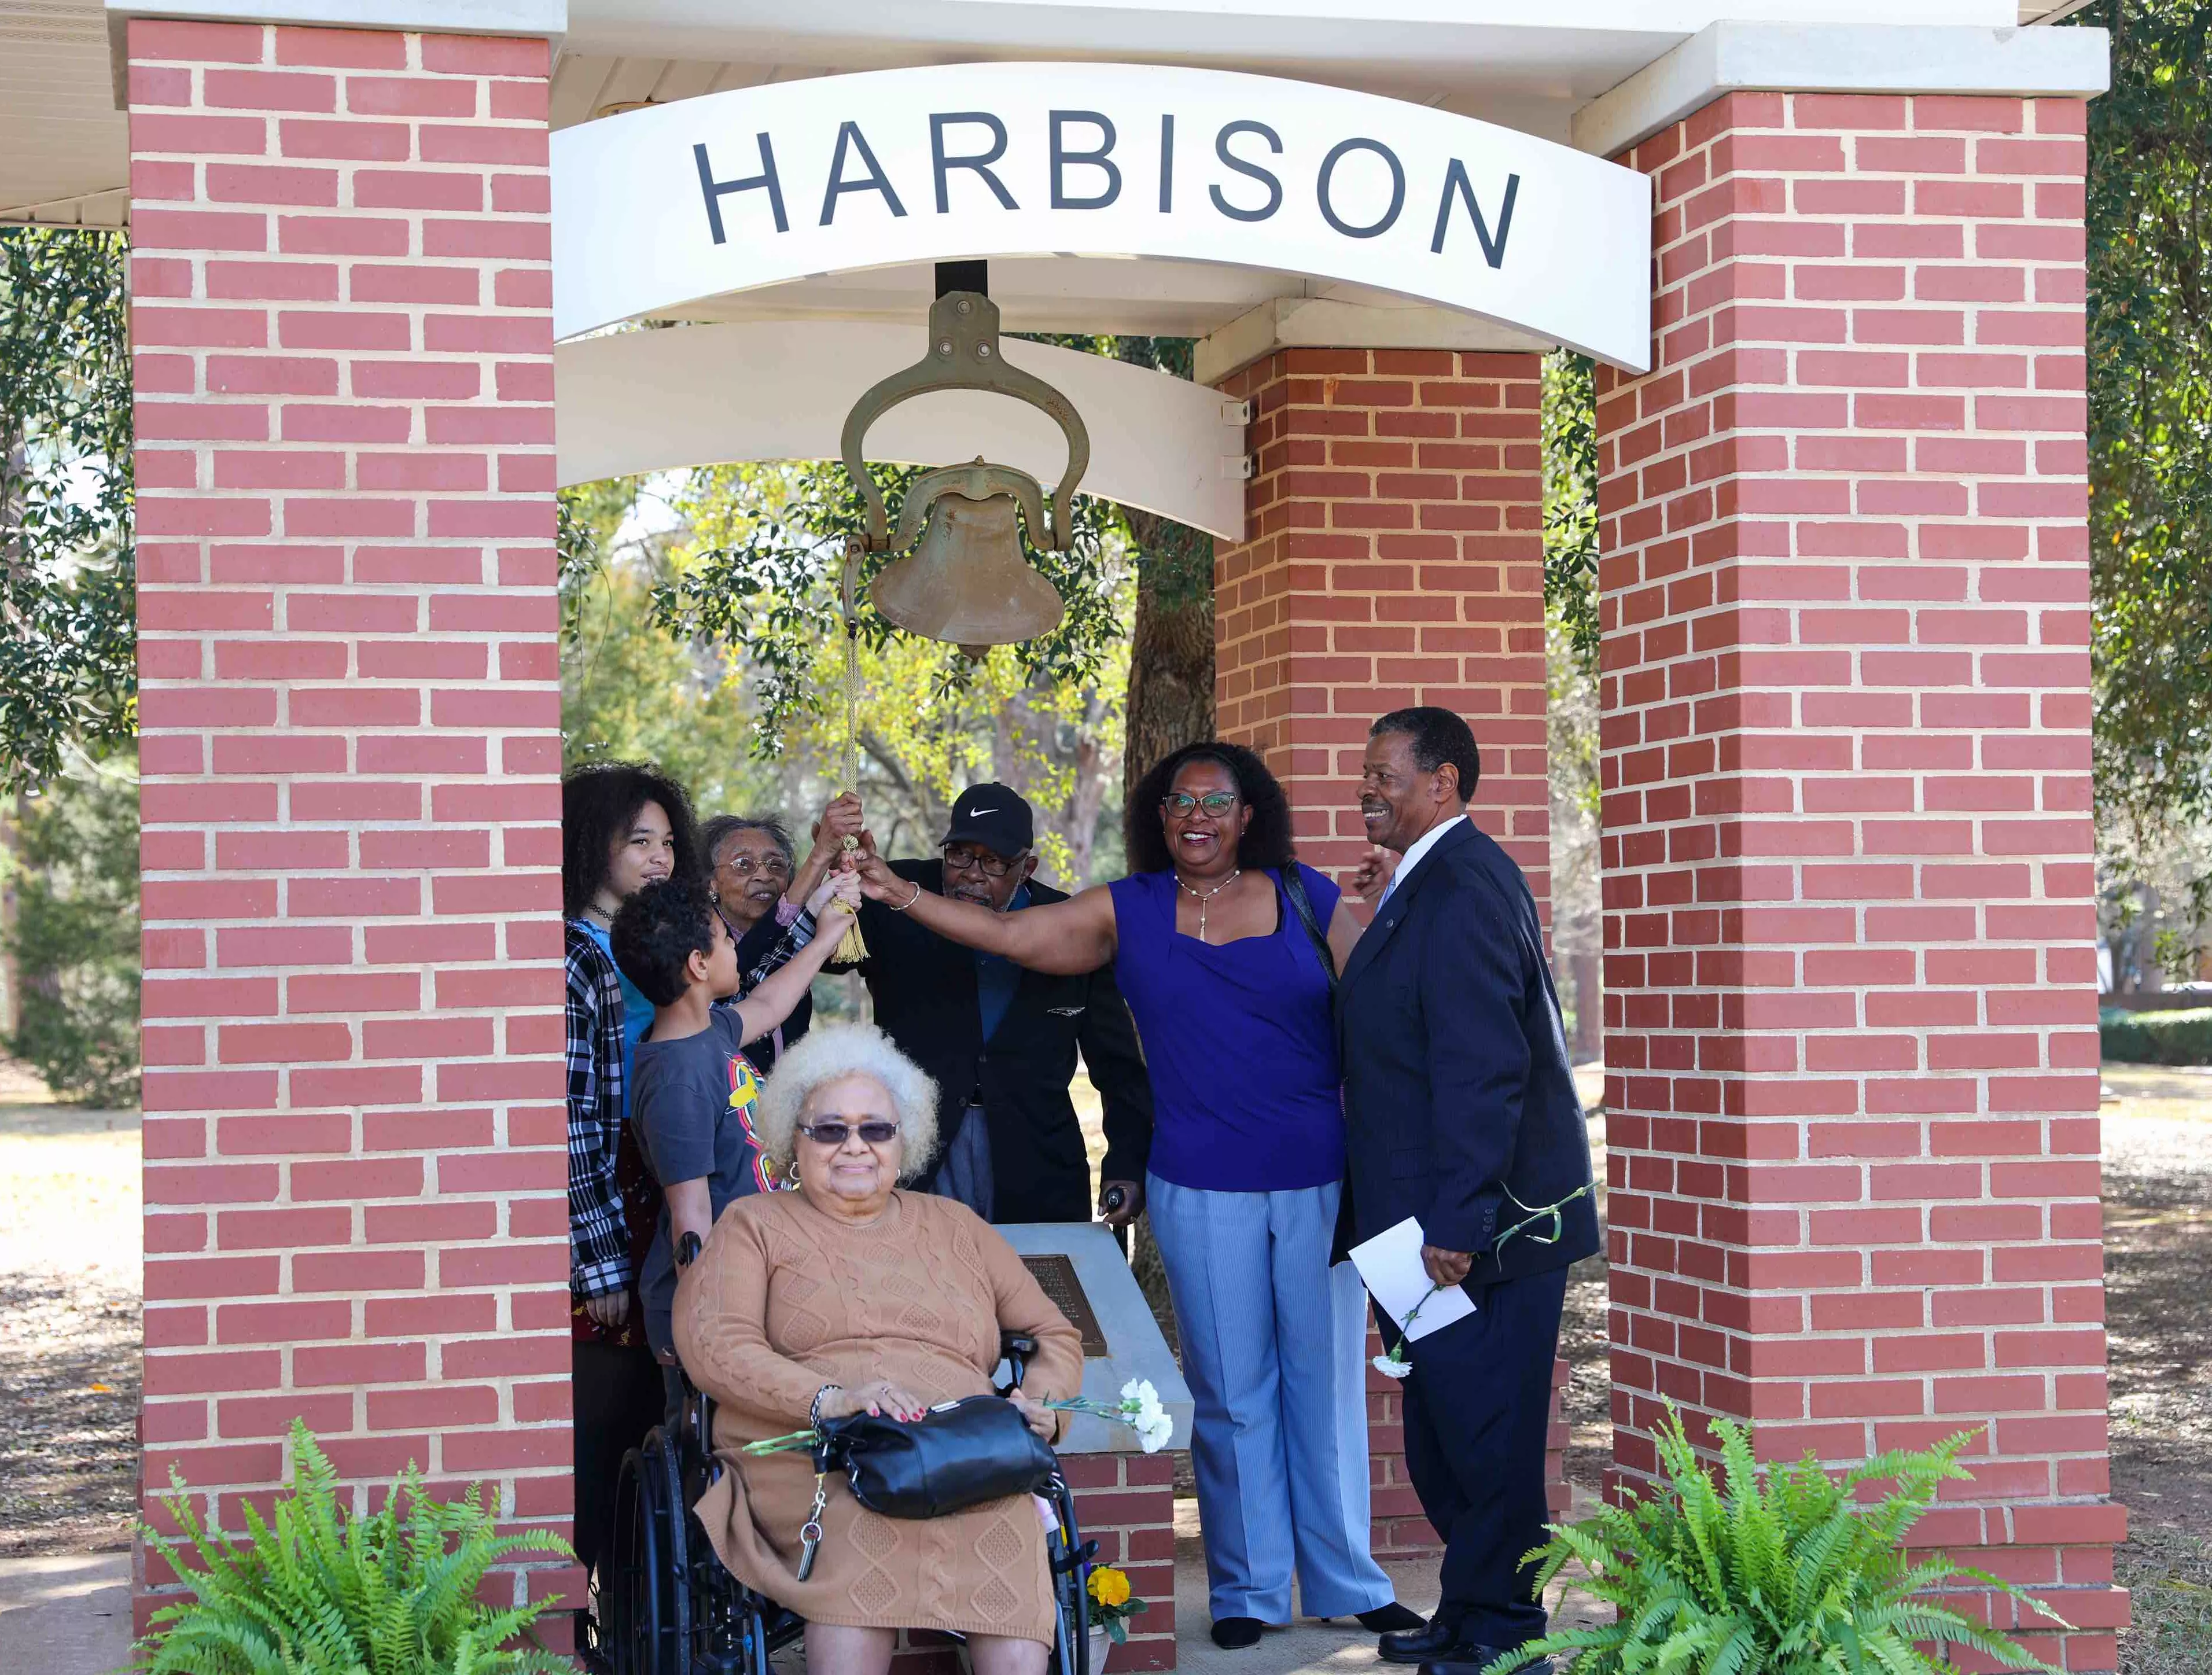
(1472,1660)
(1234,1633)
(1391,1619)
(1437,1638)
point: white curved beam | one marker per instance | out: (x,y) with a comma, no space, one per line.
(661,207)
(635,402)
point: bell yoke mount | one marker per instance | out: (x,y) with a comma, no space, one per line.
(967,582)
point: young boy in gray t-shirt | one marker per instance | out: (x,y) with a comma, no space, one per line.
(691,1086)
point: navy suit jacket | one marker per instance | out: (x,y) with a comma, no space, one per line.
(1456,1084)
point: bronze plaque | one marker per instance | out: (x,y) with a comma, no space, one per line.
(1055,1275)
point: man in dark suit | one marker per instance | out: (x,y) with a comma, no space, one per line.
(1462,1114)
(1002,1042)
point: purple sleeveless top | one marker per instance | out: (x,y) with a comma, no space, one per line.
(1241,1043)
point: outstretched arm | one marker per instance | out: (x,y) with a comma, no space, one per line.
(1064,938)
(770,1003)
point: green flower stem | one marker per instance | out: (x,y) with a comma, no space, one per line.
(789,1442)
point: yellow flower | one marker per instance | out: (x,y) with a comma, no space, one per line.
(1108,1586)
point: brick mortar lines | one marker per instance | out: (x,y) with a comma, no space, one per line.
(413,1403)
(2065,1424)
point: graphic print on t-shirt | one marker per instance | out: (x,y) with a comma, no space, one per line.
(744,1089)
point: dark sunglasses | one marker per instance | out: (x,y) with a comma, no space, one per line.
(831,1132)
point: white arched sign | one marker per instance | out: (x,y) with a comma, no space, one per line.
(664,206)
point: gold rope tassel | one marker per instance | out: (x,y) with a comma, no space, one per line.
(853,950)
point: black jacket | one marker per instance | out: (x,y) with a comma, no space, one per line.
(1455,1075)
(924,990)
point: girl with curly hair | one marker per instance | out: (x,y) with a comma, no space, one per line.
(1227,950)
(623,825)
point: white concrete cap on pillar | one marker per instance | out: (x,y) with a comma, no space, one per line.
(2072,62)
(540,20)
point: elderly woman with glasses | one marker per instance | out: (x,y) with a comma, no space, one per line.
(1226,949)
(760,890)
(849,1294)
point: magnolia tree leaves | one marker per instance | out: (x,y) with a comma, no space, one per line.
(2150,413)
(68,607)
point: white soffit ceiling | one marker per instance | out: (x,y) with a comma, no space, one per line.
(64,148)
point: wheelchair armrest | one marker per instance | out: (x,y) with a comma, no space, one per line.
(1016,1347)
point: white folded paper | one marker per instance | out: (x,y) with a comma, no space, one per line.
(1390,1264)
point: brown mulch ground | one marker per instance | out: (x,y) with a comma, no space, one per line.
(69,1281)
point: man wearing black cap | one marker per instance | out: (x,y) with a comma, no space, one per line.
(1002,1042)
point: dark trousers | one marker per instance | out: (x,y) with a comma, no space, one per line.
(1478,1404)
(617,1399)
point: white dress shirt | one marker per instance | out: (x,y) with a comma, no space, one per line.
(1422,845)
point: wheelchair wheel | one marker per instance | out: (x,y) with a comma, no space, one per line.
(1070,1558)
(648,1597)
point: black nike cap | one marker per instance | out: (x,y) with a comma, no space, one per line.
(994,815)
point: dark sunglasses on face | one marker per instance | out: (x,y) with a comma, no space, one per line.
(1182,802)
(832,1131)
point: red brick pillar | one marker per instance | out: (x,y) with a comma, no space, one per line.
(355,1175)
(1850,1002)
(1395,556)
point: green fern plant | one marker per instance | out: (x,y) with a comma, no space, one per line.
(313,1591)
(1779,1573)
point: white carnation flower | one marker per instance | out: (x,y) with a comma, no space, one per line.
(1391,1368)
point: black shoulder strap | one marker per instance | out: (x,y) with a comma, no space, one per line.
(1295,887)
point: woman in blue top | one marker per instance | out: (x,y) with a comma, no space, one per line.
(1233,1004)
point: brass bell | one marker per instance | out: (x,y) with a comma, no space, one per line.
(966,580)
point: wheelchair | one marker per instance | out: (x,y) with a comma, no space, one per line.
(669,1606)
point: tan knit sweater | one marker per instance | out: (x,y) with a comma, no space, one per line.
(785,1299)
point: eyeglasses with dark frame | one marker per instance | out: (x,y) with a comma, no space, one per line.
(966,858)
(1182,802)
(833,1131)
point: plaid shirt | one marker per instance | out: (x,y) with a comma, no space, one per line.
(796,934)
(598,1237)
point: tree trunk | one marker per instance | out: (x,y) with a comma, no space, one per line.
(1171,648)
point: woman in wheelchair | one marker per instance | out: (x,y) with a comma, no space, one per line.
(849,1295)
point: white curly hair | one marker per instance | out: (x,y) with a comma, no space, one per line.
(830,1052)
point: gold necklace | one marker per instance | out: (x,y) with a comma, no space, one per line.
(1203,899)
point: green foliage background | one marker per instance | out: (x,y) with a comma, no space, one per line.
(75,938)
(68,578)
(2150,412)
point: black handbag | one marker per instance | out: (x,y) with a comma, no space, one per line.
(958,1455)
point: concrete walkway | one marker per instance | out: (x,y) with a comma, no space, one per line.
(66,1613)
(1340,1647)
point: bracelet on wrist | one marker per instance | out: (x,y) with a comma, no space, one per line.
(901,906)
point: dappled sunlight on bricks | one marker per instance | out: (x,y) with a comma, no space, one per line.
(1849,972)
(343,353)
